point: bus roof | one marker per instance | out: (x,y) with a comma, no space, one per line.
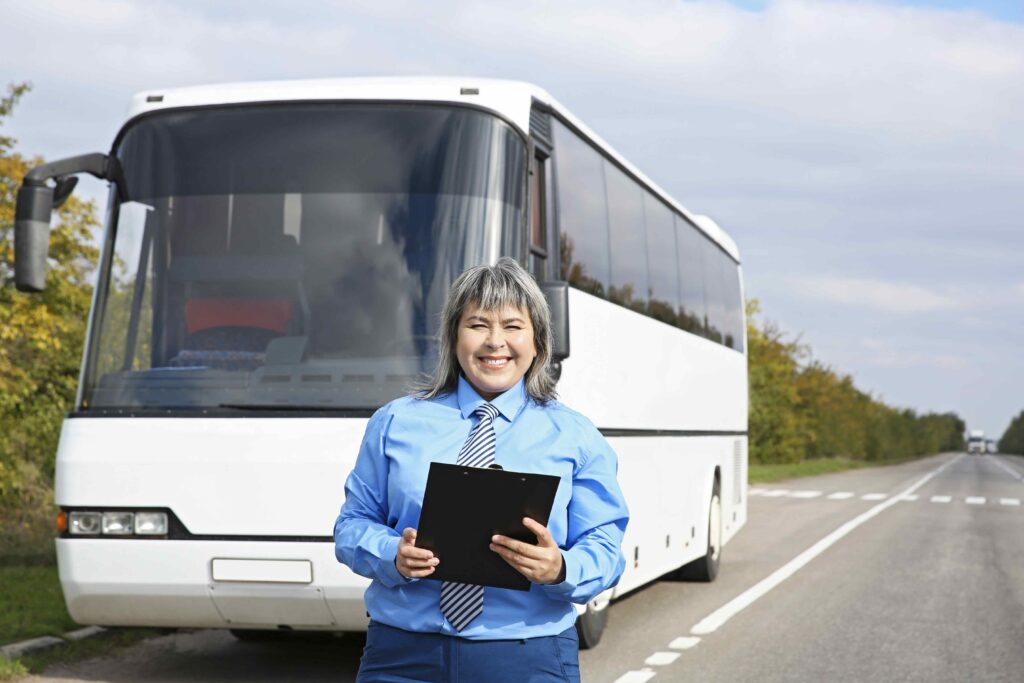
(510,99)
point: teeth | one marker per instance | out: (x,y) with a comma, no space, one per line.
(495,363)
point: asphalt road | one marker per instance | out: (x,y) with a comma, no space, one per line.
(912,572)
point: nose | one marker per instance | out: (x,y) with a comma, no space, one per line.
(495,338)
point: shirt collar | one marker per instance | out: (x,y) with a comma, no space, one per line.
(507,403)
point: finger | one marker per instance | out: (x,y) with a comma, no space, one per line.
(413,563)
(412,551)
(420,573)
(524,549)
(517,560)
(409,535)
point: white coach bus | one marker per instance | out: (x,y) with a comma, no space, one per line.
(273,268)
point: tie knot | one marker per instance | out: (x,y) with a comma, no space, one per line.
(486,411)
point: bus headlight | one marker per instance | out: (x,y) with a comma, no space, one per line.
(84,523)
(117,523)
(150,523)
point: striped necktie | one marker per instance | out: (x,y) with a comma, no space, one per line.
(461,603)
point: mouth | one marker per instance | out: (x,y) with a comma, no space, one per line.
(495,362)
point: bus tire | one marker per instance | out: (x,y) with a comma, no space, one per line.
(706,568)
(590,626)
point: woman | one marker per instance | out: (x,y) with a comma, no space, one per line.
(491,400)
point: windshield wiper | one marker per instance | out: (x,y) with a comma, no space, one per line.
(294,407)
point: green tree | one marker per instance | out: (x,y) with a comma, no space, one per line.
(1012,440)
(775,432)
(41,337)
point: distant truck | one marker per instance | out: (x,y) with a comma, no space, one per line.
(990,446)
(976,442)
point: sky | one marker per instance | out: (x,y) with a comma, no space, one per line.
(867,157)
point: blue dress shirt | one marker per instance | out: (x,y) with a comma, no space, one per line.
(384,494)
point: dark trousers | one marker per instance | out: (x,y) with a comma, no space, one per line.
(396,656)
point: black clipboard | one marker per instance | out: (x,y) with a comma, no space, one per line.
(464,506)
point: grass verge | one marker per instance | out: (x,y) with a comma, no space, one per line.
(766,474)
(31,605)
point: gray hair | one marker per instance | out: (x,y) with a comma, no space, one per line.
(504,285)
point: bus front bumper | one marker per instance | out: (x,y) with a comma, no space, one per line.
(127,582)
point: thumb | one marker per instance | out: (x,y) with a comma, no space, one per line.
(409,535)
(543,535)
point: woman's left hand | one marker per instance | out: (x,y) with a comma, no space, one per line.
(541,563)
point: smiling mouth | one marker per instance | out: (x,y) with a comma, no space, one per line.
(495,362)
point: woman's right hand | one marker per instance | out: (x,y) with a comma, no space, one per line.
(413,562)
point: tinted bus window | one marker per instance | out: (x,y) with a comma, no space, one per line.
(733,304)
(582,213)
(714,291)
(663,267)
(692,310)
(628,242)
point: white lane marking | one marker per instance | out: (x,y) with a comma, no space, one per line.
(714,621)
(805,494)
(755,492)
(873,496)
(1009,501)
(641,676)
(775,493)
(840,495)
(662,658)
(684,643)
(911,497)
(1006,468)
(941,499)
(975,500)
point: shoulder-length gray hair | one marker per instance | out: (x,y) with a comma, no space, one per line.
(504,285)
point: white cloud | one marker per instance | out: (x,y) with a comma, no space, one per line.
(879,295)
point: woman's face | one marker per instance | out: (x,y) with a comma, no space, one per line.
(494,348)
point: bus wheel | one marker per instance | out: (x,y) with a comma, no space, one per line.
(590,625)
(706,568)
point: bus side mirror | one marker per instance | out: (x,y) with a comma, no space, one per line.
(32,236)
(557,294)
(35,203)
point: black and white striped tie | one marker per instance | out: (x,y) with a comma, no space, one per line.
(461,603)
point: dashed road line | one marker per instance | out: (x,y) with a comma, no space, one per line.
(975,500)
(684,642)
(641,676)
(1009,501)
(840,495)
(911,498)
(804,494)
(941,499)
(873,496)
(662,658)
(775,493)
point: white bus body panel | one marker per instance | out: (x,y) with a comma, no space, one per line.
(221,477)
(630,372)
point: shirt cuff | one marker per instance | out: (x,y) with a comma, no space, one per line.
(389,574)
(565,589)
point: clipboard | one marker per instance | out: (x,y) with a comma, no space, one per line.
(464,506)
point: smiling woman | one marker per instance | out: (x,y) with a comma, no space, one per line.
(491,402)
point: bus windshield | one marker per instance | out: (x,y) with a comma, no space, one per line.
(294,256)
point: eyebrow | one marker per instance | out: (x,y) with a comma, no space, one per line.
(488,320)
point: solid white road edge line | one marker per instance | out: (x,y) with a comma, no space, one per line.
(1006,468)
(716,619)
